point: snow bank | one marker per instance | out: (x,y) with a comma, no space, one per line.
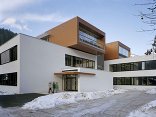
(144,111)
(53,100)
(151,91)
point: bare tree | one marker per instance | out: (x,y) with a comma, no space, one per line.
(148,16)
(153,49)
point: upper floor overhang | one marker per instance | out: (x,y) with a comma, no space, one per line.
(78,34)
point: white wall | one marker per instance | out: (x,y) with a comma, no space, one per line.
(103,80)
(11,66)
(134,87)
(139,73)
(40,60)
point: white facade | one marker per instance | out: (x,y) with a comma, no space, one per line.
(138,73)
(37,62)
(101,81)
(12,66)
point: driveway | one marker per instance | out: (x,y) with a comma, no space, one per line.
(17,100)
(115,106)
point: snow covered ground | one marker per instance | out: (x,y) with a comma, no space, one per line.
(148,110)
(151,91)
(56,99)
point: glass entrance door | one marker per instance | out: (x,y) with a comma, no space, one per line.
(70,82)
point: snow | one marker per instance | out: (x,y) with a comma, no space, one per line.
(95,109)
(151,91)
(145,111)
(52,100)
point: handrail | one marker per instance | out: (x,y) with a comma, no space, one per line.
(92,42)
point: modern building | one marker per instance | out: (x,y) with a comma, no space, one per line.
(71,54)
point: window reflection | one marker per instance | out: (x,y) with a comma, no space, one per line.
(145,65)
(8,55)
(8,79)
(123,52)
(147,81)
(79,62)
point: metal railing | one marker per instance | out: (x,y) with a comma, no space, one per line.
(91,41)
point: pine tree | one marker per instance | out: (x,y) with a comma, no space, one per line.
(6,35)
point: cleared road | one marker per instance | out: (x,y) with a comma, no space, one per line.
(115,106)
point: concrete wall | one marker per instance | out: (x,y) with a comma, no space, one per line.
(40,60)
(11,66)
(101,81)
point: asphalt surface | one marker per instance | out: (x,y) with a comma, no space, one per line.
(17,100)
(114,106)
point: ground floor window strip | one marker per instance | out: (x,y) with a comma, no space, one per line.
(9,79)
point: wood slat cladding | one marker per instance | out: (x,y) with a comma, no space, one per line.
(67,34)
(112,50)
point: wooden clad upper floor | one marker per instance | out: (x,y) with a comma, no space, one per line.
(78,34)
(116,50)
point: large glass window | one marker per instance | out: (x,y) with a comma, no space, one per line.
(5,57)
(8,79)
(147,81)
(89,38)
(123,52)
(134,66)
(128,81)
(9,55)
(151,80)
(150,65)
(74,61)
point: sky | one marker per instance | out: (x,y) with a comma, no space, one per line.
(117,18)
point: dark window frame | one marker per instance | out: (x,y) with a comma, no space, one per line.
(81,62)
(135,81)
(11,54)
(8,79)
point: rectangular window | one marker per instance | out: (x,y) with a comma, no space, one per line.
(9,79)
(152,81)
(127,66)
(8,55)
(123,52)
(114,81)
(146,81)
(74,61)
(153,64)
(13,53)
(134,66)
(127,81)
(118,67)
(5,57)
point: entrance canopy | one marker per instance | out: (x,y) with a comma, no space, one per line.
(73,73)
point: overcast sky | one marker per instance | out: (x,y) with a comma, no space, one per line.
(117,18)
